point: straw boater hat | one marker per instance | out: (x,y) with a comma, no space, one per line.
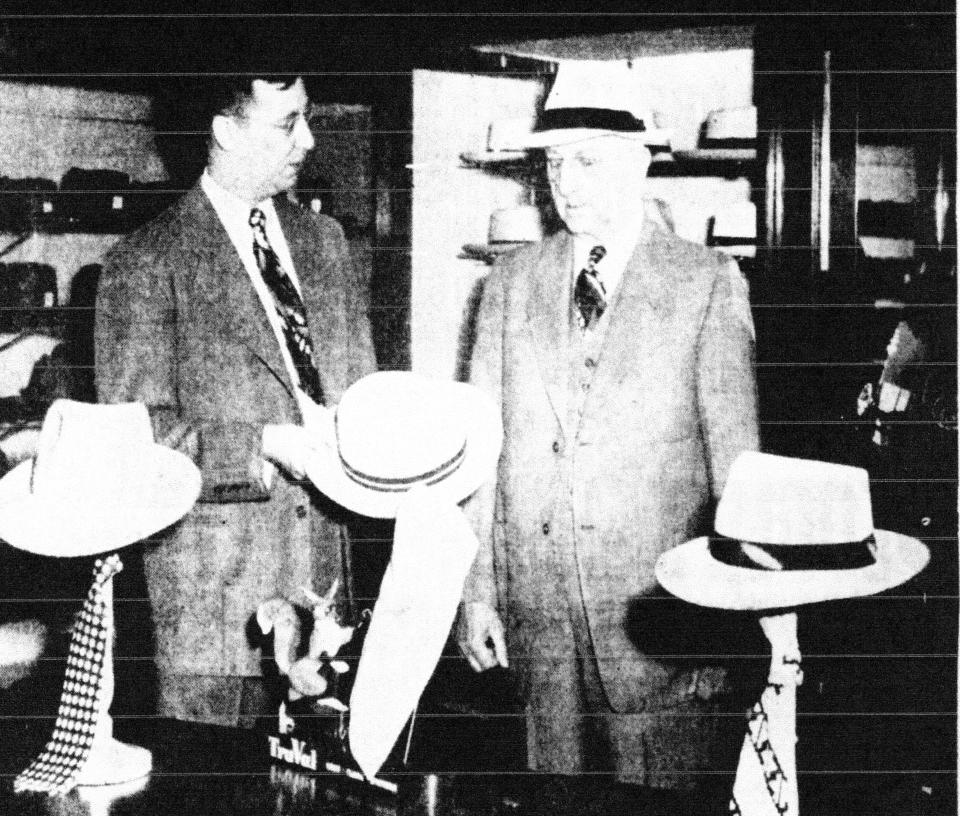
(97,483)
(395,430)
(790,532)
(595,98)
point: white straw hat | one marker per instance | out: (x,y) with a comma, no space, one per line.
(97,483)
(592,98)
(790,532)
(396,430)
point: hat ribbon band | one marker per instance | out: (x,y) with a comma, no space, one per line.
(842,556)
(592,118)
(400,485)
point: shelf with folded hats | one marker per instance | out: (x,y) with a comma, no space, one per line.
(727,135)
(85,201)
(510,228)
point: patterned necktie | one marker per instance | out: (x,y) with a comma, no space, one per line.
(289,305)
(81,702)
(589,292)
(766,780)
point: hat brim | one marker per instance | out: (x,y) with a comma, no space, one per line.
(563,136)
(494,156)
(690,572)
(484,433)
(99,519)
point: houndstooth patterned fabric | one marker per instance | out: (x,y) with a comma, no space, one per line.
(81,701)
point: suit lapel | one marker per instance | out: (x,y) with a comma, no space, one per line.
(644,299)
(548,320)
(221,282)
(314,264)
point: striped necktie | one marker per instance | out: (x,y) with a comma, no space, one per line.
(589,292)
(290,308)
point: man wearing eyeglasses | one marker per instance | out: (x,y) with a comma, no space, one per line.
(236,316)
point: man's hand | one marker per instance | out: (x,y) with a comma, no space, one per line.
(318,419)
(480,636)
(288,445)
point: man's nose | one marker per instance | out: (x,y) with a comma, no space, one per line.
(303,136)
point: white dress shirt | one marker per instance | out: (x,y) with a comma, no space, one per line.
(234,214)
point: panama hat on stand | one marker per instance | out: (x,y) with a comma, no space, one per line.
(408,447)
(790,532)
(98,482)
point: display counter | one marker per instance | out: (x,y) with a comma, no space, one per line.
(202,770)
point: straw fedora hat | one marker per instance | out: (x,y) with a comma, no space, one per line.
(97,483)
(396,430)
(595,98)
(790,532)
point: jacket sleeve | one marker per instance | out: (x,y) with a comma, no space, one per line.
(136,360)
(727,389)
(486,372)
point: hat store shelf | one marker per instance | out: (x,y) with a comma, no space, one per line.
(510,227)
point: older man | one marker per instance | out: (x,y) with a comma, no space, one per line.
(235,317)
(622,357)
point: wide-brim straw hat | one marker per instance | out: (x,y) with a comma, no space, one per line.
(97,483)
(396,430)
(790,532)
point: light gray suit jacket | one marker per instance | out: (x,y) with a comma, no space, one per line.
(180,327)
(672,402)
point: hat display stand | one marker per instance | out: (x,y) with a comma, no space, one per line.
(790,532)
(97,483)
(404,446)
(766,780)
(82,750)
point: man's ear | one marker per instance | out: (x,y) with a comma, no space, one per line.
(224,129)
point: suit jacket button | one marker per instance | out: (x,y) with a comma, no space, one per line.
(301,511)
(546,528)
(556,446)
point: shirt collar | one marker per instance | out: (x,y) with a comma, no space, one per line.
(619,250)
(230,206)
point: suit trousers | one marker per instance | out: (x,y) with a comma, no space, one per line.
(572,728)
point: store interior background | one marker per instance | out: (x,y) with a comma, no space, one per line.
(91,92)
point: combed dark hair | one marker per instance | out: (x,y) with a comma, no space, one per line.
(228,94)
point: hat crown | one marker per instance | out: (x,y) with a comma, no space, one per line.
(781,500)
(600,84)
(98,482)
(593,98)
(395,429)
(83,441)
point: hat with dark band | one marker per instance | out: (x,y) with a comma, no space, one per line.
(596,98)
(790,532)
(394,431)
